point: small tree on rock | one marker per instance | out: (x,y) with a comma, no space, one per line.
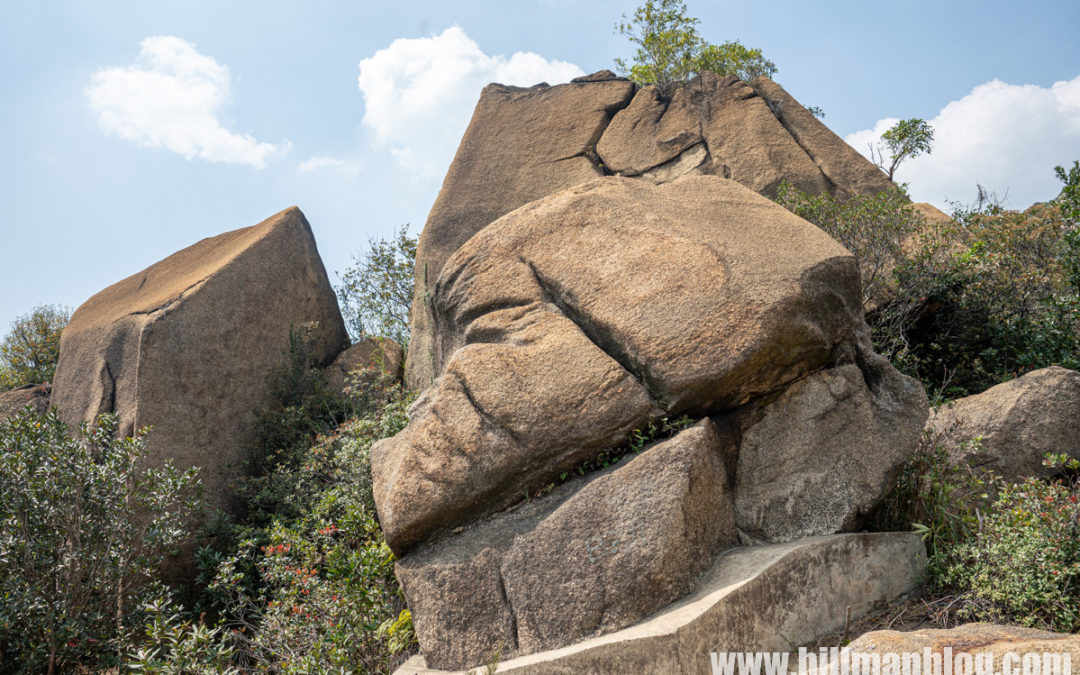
(904,140)
(669,49)
(376,291)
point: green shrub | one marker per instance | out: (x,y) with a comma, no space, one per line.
(174,645)
(30,350)
(1023,565)
(966,305)
(376,292)
(314,591)
(1009,552)
(940,500)
(84,528)
(1004,306)
(303,408)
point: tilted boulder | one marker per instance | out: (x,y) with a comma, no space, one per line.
(594,556)
(573,321)
(185,346)
(582,316)
(524,144)
(1019,421)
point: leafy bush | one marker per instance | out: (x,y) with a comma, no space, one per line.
(376,292)
(1023,564)
(940,500)
(669,49)
(1004,306)
(30,350)
(84,528)
(965,305)
(174,645)
(303,408)
(1010,553)
(309,591)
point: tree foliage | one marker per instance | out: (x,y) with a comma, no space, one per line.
(376,292)
(84,528)
(904,140)
(30,350)
(1069,203)
(669,49)
(966,304)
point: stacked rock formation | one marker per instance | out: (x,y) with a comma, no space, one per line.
(185,346)
(525,143)
(571,322)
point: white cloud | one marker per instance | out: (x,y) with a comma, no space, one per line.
(322,162)
(171,97)
(1006,137)
(419,93)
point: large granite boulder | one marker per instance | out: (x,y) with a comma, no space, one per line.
(579,318)
(524,144)
(1018,422)
(185,346)
(521,144)
(594,556)
(574,320)
(820,456)
(34,396)
(973,647)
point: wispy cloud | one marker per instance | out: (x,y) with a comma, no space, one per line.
(172,97)
(419,93)
(329,163)
(1006,137)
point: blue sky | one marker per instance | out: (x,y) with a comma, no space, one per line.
(133,129)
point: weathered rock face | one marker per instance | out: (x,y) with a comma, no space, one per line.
(843,168)
(557,569)
(826,450)
(574,320)
(753,598)
(580,317)
(35,396)
(521,144)
(371,352)
(931,213)
(524,144)
(978,641)
(185,346)
(1019,422)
